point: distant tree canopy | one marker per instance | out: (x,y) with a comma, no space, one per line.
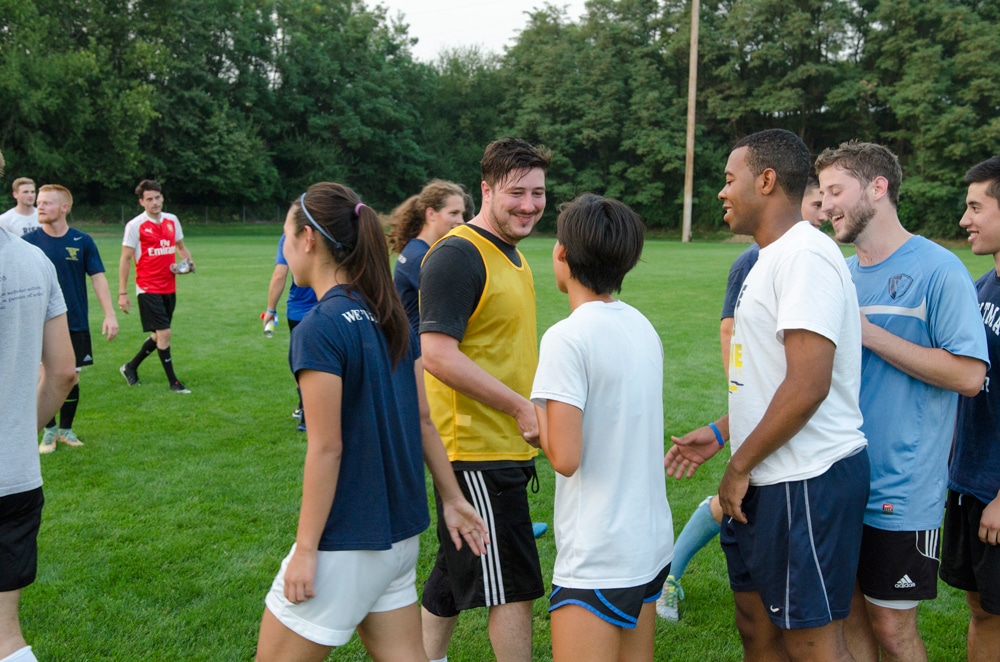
(250,101)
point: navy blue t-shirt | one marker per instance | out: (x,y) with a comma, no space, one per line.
(737,274)
(407,279)
(975,463)
(75,257)
(380,497)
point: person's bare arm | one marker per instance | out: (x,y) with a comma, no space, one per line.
(58,374)
(321,397)
(725,340)
(124,266)
(443,359)
(109,327)
(185,254)
(274,290)
(808,374)
(933,365)
(461,519)
(560,428)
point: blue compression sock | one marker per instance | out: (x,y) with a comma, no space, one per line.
(697,533)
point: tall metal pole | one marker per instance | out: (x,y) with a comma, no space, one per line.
(692,91)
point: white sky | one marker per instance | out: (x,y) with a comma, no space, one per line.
(492,24)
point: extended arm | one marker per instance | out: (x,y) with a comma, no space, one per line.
(321,397)
(460,517)
(110,325)
(808,373)
(697,446)
(443,359)
(58,373)
(935,366)
(124,265)
(274,290)
(560,427)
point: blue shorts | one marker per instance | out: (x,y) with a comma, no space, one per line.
(618,606)
(800,547)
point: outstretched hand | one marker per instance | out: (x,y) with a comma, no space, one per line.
(690,451)
(463,522)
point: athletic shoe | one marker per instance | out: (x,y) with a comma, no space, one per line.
(177,387)
(48,444)
(539,529)
(666,604)
(69,438)
(301,427)
(297,413)
(130,374)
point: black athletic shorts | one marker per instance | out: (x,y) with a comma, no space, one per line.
(618,606)
(20,517)
(156,311)
(967,563)
(82,348)
(510,570)
(899,565)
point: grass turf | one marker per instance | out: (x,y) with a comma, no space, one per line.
(162,534)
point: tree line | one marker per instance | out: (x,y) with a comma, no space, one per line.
(235,102)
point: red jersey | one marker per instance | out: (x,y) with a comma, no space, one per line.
(155,247)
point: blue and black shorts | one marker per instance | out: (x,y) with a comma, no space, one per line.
(618,606)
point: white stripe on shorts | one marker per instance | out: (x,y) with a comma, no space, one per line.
(930,547)
(493,588)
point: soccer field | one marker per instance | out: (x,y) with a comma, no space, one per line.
(162,534)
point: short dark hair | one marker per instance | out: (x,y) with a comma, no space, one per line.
(783,152)
(603,239)
(865,161)
(507,155)
(986,171)
(147,185)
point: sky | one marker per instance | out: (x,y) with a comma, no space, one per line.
(492,24)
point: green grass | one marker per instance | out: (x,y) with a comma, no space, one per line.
(161,535)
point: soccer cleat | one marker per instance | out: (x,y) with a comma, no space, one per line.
(177,387)
(48,444)
(666,604)
(297,413)
(301,427)
(130,374)
(69,438)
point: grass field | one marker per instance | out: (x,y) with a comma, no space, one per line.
(161,535)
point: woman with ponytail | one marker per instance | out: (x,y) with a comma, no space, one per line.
(416,225)
(353,565)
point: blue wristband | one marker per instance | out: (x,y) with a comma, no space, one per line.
(718,435)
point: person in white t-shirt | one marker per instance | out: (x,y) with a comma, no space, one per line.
(23,217)
(598,394)
(793,494)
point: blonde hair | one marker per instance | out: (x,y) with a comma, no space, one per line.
(407,220)
(61,190)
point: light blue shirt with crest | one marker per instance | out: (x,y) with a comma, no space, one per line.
(923,294)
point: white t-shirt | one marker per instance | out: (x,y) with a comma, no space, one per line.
(800,281)
(18,223)
(612,521)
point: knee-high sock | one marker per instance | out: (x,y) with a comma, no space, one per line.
(168,364)
(146,350)
(697,533)
(68,410)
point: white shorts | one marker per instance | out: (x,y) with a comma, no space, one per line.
(348,586)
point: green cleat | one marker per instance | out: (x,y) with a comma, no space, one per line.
(48,444)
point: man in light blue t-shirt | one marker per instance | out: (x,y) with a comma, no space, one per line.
(923,344)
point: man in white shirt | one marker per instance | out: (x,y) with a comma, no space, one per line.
(23,217)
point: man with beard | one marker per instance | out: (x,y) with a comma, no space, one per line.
(923,344)
(480,350)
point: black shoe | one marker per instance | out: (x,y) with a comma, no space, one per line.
(177,387)
(130,374)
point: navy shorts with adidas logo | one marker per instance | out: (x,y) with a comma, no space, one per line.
(899,565)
